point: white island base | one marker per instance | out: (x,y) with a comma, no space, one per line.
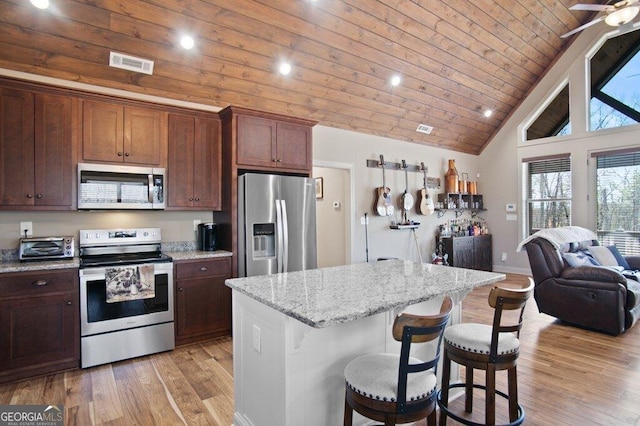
(288,373)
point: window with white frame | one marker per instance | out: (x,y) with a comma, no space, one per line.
(617,199)
(548,192)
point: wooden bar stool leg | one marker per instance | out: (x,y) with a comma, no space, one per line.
(490,414)
(513,393)
(444,393)
(348,412)
(468,390)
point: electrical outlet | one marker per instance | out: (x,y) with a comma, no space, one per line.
(26,229)
(196,222)
(364,220)
(256,338)
(504,256)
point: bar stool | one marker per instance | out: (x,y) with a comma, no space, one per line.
(489,348)
(398,388)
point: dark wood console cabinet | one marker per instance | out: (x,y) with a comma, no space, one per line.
(469,252)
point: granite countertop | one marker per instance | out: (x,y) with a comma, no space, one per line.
(12,265)
(328,296)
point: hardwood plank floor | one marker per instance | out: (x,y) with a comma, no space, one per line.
(566,376)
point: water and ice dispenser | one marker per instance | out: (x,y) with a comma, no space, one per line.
(264,240)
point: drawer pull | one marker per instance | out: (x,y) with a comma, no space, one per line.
(69,302)
(204,268)
(39,283)
(180,289)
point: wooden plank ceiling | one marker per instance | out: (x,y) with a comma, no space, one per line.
(456,58)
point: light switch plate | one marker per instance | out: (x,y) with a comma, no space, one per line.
(510,207)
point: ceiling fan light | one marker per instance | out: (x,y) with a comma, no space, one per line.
(622,16)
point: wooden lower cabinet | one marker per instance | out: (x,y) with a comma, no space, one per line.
(202,300)
(469,252)
(39,323)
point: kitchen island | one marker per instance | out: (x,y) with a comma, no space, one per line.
(293,333)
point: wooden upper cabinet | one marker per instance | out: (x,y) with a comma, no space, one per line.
(36,150)
(121,134)
(265,142)
(194,170)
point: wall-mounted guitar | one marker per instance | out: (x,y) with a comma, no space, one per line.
(406,199)
(382,201)
(425,203)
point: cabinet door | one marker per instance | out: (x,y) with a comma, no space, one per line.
(483,253)
(256,144)
(54,169)
(463,252)
(142,136)
(180,169)
(16,147)
(102,131)
(207,164)
(293,146)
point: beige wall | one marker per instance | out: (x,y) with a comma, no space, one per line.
(333,232)
(354,149)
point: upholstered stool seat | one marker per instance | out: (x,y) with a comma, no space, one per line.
(376,376)
(400,388)
(490,348)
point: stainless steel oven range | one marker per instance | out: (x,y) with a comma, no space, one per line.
(126,295)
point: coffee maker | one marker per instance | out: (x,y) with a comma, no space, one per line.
(207,236)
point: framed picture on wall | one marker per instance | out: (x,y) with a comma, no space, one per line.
(319,188)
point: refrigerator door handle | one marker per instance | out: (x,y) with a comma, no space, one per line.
(285,242)
(280,239)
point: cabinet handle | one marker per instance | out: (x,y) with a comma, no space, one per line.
(68,302)
(29,195)
(190,198)
(126,154)
(38,196)
(39,283)
(119,154)
(197,199)
(274,160)
(180,289)
(204,268)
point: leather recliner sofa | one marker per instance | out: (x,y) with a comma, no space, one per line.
(592,297)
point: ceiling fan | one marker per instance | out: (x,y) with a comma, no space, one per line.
(616,14)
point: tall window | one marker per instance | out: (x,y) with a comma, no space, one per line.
(618,199)
(548,192)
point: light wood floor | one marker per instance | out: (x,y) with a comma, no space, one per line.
(567,376)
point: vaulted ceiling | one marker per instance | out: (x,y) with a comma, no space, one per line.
(456,58)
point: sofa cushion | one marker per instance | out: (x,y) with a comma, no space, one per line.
(603,256)
(579,258)
(619,257)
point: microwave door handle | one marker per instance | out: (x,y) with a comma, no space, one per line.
(150,186)
(280,240)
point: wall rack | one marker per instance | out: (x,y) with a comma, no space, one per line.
(432,182)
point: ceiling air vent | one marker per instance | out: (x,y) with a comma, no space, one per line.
(423,128)
(131,63)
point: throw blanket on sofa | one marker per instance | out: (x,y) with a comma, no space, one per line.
(559,236)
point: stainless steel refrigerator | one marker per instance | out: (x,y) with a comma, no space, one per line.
(276,224)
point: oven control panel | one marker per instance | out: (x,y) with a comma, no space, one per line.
(122,236)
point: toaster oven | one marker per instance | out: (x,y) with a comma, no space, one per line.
(44,248)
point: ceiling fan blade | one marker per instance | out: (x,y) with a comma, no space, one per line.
(591,7)
(582,27)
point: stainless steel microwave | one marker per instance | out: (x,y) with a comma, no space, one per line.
(106,186)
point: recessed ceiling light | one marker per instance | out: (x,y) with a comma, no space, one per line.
(187,42)
(395,80)
(284,68)
(40,4)
(487,113)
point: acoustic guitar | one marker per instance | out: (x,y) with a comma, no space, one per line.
(406,199)
(425,203)
(382,201)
